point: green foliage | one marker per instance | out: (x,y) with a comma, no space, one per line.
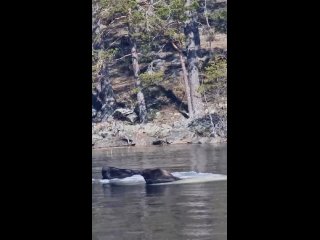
(163,11)
(215,75)
(175,35)
(217,69)
(94,54)
(174,10)
(111,53)
(144,38)
(193,6)
(99,57)
(178,10)
(219,18)
(135,91)
(137,17)
(152,28)
(117,6)
(219,14)
(145,50)
(151,78)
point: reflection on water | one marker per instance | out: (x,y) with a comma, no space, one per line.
(190,211)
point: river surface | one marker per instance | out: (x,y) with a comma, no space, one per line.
(164,212)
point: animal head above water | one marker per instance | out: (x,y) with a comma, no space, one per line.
(157,175)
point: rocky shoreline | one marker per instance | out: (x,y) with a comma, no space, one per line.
(120,133)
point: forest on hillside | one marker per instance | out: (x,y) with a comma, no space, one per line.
(152,59)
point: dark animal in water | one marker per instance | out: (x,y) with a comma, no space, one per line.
(151,176)
(157,175)
(112,172)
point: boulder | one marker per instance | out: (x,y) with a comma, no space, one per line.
(125,115)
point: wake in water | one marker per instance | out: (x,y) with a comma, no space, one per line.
(186,177)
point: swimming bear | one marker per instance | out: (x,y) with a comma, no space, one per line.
(112,172)
(158,175)
(151,175)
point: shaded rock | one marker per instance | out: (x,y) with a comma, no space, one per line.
(104,134)
(94,113)
(151,129)
(164,133)
(143,140)
(96,137)
(124,114)
(212,125)
(180,136)
(133,117)
(112,142)
(160,142)
(217,140)
(202,140)
(118,133)
(166,126)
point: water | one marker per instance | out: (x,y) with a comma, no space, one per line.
(185,211)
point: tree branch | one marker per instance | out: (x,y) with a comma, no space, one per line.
(176,47)
(123,57)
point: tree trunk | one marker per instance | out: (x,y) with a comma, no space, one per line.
(106,95)
(103,100)
(136,72)
(191,32)
(186,80)
(186,83)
